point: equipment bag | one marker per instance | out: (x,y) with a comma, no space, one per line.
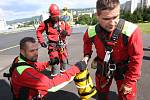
(84,84)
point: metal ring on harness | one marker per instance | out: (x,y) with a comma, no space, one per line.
(111,69)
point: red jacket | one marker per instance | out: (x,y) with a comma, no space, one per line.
(53,34)
(27,76)
(133,50)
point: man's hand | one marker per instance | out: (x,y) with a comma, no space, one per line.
(43,44)
(85,59)
(63,33)
(125,89)
(81,65)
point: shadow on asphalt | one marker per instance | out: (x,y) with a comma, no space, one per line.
(112,96)
(65,95)
(62,95)
(146,49)
(146,57)
(5,91)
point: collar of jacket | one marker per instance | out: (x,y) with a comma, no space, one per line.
(103,30)
(27,60)
(107,35)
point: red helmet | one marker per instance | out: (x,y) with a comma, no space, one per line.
(54,10)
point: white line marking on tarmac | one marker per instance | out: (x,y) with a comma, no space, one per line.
(13,47)
(9,48)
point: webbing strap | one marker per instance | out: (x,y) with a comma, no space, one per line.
(109,48)
(83,79)
(15,65)
(115,34)
(88,93)
(118,30)
(46,25)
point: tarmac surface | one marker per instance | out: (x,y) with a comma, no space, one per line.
(69,92)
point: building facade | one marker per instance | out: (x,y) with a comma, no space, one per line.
(132,5)
(145,3)
(3,25)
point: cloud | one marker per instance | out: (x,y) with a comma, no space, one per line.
(11,15)
(14,9)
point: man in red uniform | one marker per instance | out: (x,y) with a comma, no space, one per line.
(27,82)
(56,31)
(119,56)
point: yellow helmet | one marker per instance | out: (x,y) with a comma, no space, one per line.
(65,8)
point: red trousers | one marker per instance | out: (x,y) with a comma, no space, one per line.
(62,55)
(103,93)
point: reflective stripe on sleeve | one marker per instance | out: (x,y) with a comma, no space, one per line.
(128,28)
(20,69)
(58,87)
(91,31)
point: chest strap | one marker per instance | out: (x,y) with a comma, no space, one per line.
(15,65)
(108,44)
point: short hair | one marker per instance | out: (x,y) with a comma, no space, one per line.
(106,4)
(26,39)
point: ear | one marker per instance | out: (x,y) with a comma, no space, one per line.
(22,51)
(97,15)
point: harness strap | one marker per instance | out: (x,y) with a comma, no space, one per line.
(88,93)
(15,65)
(83,79)
(58,28)
(114,36)
(108,44)
(118,30)
(46,25)
(12,68)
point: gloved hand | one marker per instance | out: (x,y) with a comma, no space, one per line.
(63,33)
(54,61)
(86,59)
(125,89)
(81,65)
(43,44)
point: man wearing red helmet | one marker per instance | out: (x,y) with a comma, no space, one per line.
(56,33)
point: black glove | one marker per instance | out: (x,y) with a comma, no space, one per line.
(81,65)
(43,44)
(63,33)
(54,61)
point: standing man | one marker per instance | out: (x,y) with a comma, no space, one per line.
(119,51)
(56,31)
(27,82)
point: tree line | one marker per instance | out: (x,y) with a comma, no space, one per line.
(140,15)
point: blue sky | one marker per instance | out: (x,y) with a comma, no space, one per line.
(15,9)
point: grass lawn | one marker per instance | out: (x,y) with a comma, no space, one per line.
(145,27)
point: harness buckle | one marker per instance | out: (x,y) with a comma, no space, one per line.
(112,67)
(107,55)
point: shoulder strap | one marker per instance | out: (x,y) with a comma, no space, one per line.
(46,25)
(15,65)
(108,44)
(125,39)
(115,34)
(118,30)
(101,37)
